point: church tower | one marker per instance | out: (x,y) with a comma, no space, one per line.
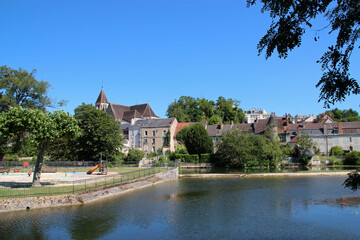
(102,103)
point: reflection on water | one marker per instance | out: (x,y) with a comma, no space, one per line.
(265,170)
(248,208)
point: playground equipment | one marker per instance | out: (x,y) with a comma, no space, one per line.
(102,167)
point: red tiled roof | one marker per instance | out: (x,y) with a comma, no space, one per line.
(180,126)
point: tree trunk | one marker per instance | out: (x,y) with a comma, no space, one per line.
(38,164)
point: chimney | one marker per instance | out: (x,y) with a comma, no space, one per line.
(297,131)
(221,125)
(340,127)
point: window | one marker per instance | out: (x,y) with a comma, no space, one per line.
(164,133)
(153,141)
(145,141)
(146,148)
(132,132)
(154,133)
(350,139)
(153,149)
(145,133)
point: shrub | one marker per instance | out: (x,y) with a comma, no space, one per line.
(188,158)
(11,157)
(135,155)
(205,158)
(352,158)
(151,155)
(336,151)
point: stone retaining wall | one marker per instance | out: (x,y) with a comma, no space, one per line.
(16,204)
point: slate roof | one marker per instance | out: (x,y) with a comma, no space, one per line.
(154,123)
(102,98)
(126,112)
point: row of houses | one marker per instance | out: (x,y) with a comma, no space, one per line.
(144,130)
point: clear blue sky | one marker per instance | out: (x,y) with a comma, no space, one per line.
(154,51)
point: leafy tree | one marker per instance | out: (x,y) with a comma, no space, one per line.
(181,135)
(286,150)
(239,149)
(43,129)
(304,149)
(352,158)
(353,181)
(189,109)
(100,133)
(343,115)
(215,119)
(292,18)
(228,110)
(20,88)
(336,151)
(197,140)
(135,155)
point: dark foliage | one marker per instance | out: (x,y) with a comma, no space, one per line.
(292,18)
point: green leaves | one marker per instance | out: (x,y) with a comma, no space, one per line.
(189,109)
(292,18)
(20,88)
(100,133)
(238,150)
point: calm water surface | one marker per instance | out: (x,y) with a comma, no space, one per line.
(243,208)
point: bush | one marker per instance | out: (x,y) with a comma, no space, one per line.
(11,157)
(188,158)
(205,158)
(335,161)
(151,155)
(352,158)
(336,151)
(135,155)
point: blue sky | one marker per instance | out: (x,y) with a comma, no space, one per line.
(154,51)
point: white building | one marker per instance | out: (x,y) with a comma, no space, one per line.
(255,114)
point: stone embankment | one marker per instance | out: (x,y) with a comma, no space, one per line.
(28,203)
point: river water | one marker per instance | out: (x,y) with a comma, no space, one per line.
(241,208)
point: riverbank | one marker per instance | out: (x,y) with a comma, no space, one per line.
(293,174)
(28,203)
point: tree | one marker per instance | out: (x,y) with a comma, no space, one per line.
(240,149)
(353,181)
(197,140)
(189,109)
(228,110)
(42,128)
(352,158)
(304,149)
(292,18)
(181,135)
(100,133)
(20,88)
(135,155)
(343,115)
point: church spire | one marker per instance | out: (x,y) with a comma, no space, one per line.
(102,103)
(102,98)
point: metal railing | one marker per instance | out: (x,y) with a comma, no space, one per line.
(26,190)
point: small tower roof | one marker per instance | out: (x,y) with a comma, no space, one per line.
(102,98)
